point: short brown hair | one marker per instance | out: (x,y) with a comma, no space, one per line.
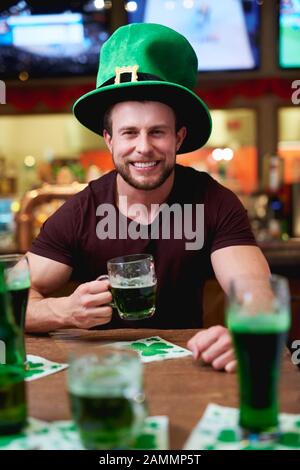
(107,122)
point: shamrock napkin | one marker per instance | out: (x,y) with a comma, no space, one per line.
(218,430)
(155,349)
(63,435)
(37,367)
(149,349)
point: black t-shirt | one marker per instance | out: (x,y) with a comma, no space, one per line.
(70,237)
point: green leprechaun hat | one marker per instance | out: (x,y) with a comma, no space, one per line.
(148,62)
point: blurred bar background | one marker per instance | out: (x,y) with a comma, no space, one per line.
(249,75)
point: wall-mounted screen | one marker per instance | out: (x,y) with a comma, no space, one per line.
(51,44)
(224,33)
(289,33)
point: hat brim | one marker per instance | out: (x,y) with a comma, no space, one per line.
(90,108)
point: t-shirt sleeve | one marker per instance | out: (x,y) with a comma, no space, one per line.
(230,222)
(57,237)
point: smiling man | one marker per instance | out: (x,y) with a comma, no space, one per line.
(144,153)
(150,131)
(145,109)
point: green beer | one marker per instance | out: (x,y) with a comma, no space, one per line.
(13,411)
(19,298)
(17,279)
(133,285)
(259,341)
(134,302)
(104,422)
(106,397)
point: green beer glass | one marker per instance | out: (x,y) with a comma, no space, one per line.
(106,396)
(133,285)
(17,278)
(258,317)
(13,409)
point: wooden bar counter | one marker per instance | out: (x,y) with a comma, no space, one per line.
(178,388)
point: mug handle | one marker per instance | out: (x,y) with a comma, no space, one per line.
(105,277)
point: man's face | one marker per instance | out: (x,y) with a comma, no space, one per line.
(144,142)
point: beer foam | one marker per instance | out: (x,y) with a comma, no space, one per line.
(115,376)
(133,282)
(260,323)
(104,383)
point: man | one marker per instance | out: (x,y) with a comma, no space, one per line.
(146,111)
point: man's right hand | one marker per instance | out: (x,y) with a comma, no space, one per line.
(88,305)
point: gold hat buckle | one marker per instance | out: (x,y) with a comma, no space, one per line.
(126,69)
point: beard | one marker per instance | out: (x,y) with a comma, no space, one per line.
(154,182)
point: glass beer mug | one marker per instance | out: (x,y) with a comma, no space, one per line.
(133,285)
(13,406)
(17,278)
(258,317)
(106,396)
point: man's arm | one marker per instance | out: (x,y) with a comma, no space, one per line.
(214,345)
(86,307)
(234,261)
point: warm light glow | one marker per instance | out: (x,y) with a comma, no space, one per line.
(23,76)
(29,161)
(228,154)
(222,154)
(131,6)
(15,206)
(217,154)
(99,4)
(261,212)
(41,218)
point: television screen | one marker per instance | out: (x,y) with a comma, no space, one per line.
(224,33)
(7,225)
(51,44)
(6,215)
(289,33)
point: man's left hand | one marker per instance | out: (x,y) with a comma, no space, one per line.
(214,346)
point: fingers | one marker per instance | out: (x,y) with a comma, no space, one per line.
(93,294)
(100,312)
(95,287)
(95,300)
(221,361)
(88,305)
(204,339)
(214,346)
(93,317)
(217,349)
(231,366)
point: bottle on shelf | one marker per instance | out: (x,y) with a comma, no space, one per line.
(279,198)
